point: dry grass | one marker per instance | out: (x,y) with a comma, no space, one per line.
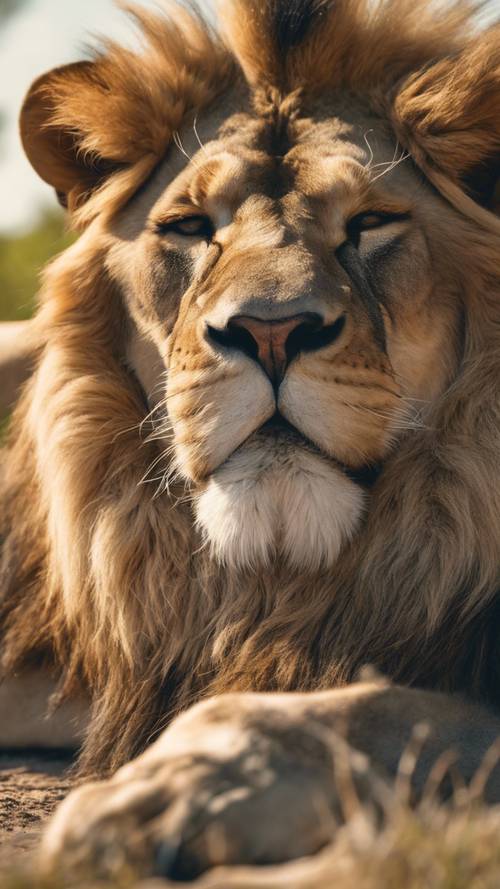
(382,844)
(428,849)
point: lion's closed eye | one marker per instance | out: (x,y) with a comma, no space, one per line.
(189,226)
(373,221)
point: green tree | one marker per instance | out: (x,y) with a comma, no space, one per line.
(22,258)
(7,7)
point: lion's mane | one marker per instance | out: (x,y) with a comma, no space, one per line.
(109,581)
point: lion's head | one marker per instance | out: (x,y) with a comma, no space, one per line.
(293,315)
(287,286)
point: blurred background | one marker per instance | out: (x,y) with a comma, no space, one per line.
(36,35)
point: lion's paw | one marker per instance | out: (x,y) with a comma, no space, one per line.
(238,779)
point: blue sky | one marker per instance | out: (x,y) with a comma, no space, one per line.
(45,34)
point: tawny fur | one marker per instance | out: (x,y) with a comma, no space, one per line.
(110,581)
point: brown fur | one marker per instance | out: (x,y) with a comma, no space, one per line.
(110,582)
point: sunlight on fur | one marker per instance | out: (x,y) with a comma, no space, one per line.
(328,455)
(283,309)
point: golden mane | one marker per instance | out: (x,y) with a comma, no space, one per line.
(108,580)
(122,108)
(352,44)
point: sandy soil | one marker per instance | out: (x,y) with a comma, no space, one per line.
(31,786)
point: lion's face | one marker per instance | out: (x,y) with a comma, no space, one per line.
(283,275)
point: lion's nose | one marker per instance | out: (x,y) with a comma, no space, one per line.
(274,344)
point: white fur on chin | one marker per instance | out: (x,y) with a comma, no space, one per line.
(275,498)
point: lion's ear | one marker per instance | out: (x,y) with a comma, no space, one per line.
(61,127)
(449,118)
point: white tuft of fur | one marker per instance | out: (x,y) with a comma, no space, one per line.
(276,499)
(321,510)
(238,512)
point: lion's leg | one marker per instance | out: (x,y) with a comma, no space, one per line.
(18,346)
(26,720)
(260,778)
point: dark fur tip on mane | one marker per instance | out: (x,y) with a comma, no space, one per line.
(291,20)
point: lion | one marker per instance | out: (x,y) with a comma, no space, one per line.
(259,446)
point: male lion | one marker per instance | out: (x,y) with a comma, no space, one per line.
(260,447)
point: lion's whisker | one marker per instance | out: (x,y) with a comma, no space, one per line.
(178,143)
(200,143)
(392,166)
(368,165)
(400,424)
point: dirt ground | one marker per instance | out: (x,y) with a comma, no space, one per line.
(31,786)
